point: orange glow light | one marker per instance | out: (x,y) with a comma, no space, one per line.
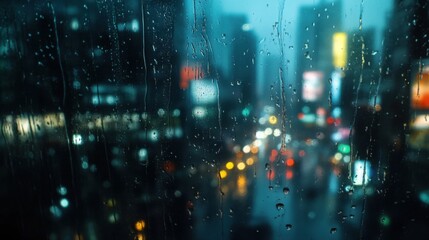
(290,162)
(254,149)
(140,237)
(188,73)
(289,174)
(140,225)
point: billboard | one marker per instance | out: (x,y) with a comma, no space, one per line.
(204,91)
(361,172)
(189,73)
(339,49)
(420,89)
(419,95)
(312,87)
(336,77)
(419,132)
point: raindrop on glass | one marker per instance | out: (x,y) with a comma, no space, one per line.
(280,206)
(286,190)
(267,166)
(288,227)
(333,230)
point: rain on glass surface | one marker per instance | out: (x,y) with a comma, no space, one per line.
(214,119)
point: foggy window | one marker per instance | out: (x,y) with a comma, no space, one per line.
(301,119)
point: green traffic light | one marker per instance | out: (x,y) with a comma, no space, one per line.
(344,148)
(384,220)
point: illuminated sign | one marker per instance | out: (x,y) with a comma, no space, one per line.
(419,122)
(313,87)
(344,148)
(204,91)
(189,73)
(420,90)
(336,87)
(339,49)
(419,132)
(362,171)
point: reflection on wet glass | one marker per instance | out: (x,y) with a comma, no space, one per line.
(214,119)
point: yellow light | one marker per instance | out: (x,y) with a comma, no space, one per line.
(140,225)
(111,202)
(272,119)
(223,174)
(249,161)
(241,166)
(140,237)
(339,49)
(241,185)
(338,156)
(241,181)
(378,107)
(229,165)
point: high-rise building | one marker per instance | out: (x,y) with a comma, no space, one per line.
(317,25)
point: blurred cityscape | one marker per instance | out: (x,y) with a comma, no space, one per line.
(168,120)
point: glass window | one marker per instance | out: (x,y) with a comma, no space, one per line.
(301,119)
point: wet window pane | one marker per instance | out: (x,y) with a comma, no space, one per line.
(301,119)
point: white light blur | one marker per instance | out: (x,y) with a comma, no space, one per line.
(361,172)
(277,132)
(77,139)
(246,27)
(262,120)
(336,137)
(246,149)
(346,159)
(64,202)
(268,131)
(257,143)
(260,135)
(199,112)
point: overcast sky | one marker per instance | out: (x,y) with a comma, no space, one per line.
(263,14)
